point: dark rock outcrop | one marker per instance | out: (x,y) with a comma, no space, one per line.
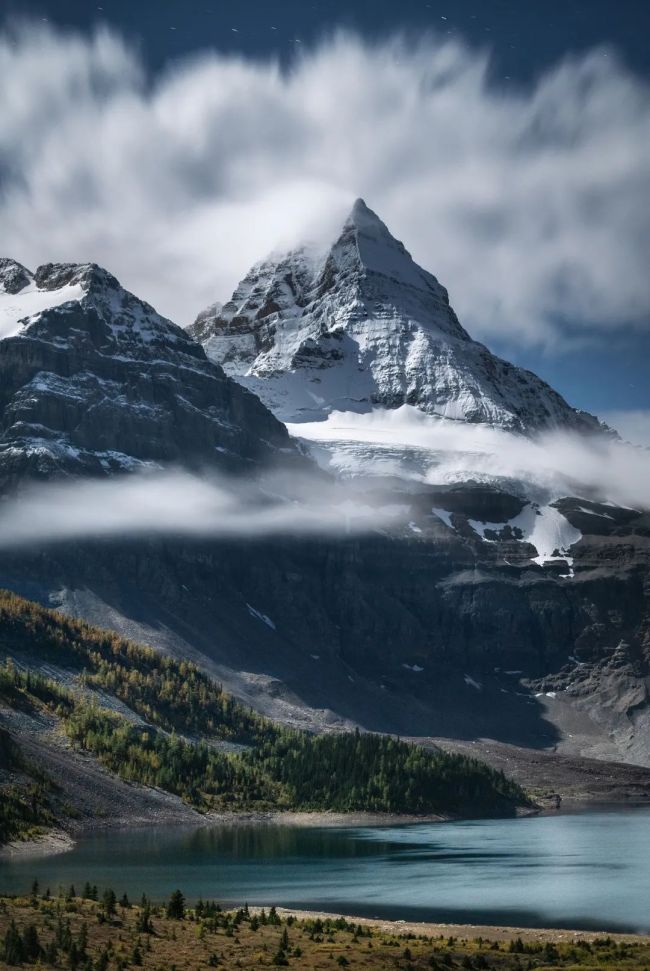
(14,277)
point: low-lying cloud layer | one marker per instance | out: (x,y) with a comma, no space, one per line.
(548,466)
(177,503)
(526,204)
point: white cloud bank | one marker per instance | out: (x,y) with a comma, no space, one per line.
(282,503)
(529,205)
(547,467)
(181,504)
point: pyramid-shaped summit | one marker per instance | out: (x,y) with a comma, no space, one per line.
(362,326)
(388,279)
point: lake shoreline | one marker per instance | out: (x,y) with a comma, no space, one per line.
(52,843)
(318,938)
(58,841)
(488,932)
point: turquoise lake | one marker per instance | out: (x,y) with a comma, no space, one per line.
(585,871)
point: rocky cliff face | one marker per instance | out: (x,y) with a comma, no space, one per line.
(94,381)
(437,633)
(363,325)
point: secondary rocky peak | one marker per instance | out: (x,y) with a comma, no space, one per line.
(111,315)
(14,277)
(93,381)
(53,276)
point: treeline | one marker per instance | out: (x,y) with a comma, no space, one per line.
(199,773)
(377,773)
(165,691)
(294,770)
(281,768)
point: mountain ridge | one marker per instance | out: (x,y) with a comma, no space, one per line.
(94,381)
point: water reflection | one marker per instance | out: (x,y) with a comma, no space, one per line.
(270,841)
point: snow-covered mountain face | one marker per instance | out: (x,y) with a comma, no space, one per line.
(360,326)
(359,351)
(94,381)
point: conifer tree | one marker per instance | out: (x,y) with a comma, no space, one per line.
(176,906)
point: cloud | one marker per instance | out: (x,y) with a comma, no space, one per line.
(285,503)
(177,503)
(633,424)
(527,204)
(545,468)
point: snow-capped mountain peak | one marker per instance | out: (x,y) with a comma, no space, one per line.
(126,318)
(24,294)
(363,326)
(94,381)
(391,286)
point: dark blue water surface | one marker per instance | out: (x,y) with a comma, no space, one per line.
(584,871)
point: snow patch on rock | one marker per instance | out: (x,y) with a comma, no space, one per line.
(16,309)
(472,683)
(544,527)
(444,515)
(260,616)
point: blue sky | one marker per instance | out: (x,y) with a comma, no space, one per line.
(597,353)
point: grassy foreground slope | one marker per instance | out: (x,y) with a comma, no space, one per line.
(176,729)
(69,931)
